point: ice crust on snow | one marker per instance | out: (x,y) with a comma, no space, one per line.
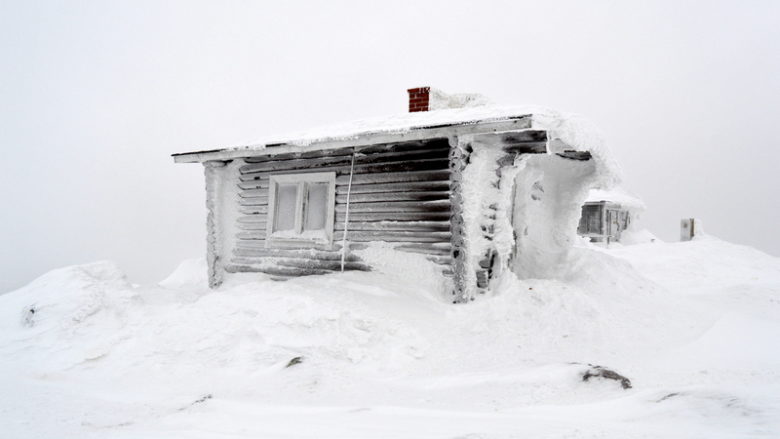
(386,354)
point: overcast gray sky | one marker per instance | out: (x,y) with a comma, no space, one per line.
(95,95)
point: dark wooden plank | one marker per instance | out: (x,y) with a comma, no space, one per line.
(396,177)
(254,184)
(300,155)
(253,201)
(360,159)
(253,210)
(294,253)
(323,264)
(250,243)
(259,226)
(282,165)
(397,206)
(397,166)
(392,196)
(274,270)
(420,186)
(394,236)
(442,143)
(253,193)
(252,219)
(254,235)
(394,216)
(429,226)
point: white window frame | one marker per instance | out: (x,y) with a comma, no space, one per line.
(300,207)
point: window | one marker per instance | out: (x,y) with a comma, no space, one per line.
(590,221)
(301,209)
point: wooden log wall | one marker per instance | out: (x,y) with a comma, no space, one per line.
(400,194)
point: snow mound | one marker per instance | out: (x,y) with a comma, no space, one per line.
(363,354)
(189,273)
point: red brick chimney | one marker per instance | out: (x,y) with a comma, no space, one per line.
(419,99)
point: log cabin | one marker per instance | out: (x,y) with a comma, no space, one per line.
(472,188)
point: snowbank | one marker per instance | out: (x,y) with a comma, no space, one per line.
(381,355)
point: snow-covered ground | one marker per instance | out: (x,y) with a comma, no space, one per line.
(694,326)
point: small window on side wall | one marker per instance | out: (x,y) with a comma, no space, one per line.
(301,209)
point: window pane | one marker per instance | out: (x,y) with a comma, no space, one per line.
(286,195)
(316,206)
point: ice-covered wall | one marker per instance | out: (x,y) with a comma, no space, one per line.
(520,210)
(547,205)
(221,205)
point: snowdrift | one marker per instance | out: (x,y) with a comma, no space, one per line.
(692,325)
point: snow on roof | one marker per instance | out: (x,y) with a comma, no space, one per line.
(569,128)
(615,195)
(564,131)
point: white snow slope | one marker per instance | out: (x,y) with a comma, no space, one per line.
(694,325)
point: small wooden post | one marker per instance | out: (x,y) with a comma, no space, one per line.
(689,228)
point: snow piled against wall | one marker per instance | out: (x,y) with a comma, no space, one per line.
(382,355)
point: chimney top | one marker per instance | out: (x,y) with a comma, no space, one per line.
(419,99)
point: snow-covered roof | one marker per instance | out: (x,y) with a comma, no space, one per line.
(573,131)
(616,195)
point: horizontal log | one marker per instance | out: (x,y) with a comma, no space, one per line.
(394,236)
(282,165)
(300,155)
(245,193)
(259,226)
(252,219)
(360,159)
(393,216)
(253,210)
(397,166)
(331,265)
(254,235)
(260,244)
(274,270)
(254,184)
(420,186)
(364,149)
(429,226)
(294,253)
(397,206)
(396,177)
(253,201)
(392,196)
(250,243)
(325,265)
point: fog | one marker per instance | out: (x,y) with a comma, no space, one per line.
(95,96)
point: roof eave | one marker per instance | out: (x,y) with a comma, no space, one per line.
(412,133)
